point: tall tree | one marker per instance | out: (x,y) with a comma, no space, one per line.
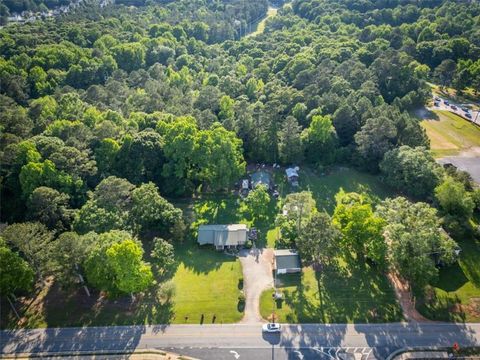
(17,275)
(416,240)
(317,241)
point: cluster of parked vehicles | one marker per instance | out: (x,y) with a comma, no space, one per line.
(466,111)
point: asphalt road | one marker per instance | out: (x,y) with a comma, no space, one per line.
(242,341)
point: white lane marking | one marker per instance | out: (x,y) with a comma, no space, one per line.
(299,354)
(235,354)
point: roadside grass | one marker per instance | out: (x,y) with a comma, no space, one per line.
(456,294)
(348,293)
(206,283)
(449,134)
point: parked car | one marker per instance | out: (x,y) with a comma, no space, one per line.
(446,102)
(468,115)
(436,103)
(453,107)
(271,327)
(466,109)
(437,98)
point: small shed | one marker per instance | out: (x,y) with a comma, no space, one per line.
(261,177)
(223,236)
(292,175)
(287,261)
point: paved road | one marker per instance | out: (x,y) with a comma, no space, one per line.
(217,341)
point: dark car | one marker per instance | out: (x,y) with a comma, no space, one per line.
(446,102)
(468,115)
(437,98)
(453,107)
(466,109)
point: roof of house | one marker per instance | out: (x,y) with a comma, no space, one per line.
(261,177)
(291,172)
(222,235)
(287,259)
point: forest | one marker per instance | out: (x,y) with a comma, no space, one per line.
(109,114)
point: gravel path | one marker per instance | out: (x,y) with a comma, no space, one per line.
(257,277)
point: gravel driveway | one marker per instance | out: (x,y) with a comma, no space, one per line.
(257,277)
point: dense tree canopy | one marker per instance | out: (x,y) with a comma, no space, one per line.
(110,109)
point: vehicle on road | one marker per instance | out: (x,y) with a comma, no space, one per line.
(446,102)
(453,107)
(437,98)
(271,327)
(436,103)
(466,109)
(468,115)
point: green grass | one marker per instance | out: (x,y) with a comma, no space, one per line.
(456,294)
(345,294)
(206,283)
(449,134)
(325,186)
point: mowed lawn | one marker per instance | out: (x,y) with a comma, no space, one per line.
(207,287)
(206,283)
(345,294)
(449,134)
(456,294)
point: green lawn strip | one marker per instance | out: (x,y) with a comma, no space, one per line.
(346,295)
(456,294)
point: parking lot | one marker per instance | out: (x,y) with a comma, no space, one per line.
(456,108)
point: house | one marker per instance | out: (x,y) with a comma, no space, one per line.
(292,175)
(287,261)
(223,236)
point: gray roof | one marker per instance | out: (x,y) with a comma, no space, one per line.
(222,235)
(287,259)
(261,177)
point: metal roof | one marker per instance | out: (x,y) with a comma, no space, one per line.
(222,235)
(287,259)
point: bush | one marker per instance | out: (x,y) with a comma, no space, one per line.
(166,291)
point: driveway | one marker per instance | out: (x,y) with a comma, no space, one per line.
(257,277)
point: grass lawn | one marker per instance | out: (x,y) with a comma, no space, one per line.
(456,294)
(346,294)
(450,134)
(325,186)
(206,283)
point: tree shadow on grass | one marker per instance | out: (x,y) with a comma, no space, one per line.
(57,307)
(451,278)
(201,259)
(357,293)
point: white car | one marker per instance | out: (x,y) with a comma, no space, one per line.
(271,327)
